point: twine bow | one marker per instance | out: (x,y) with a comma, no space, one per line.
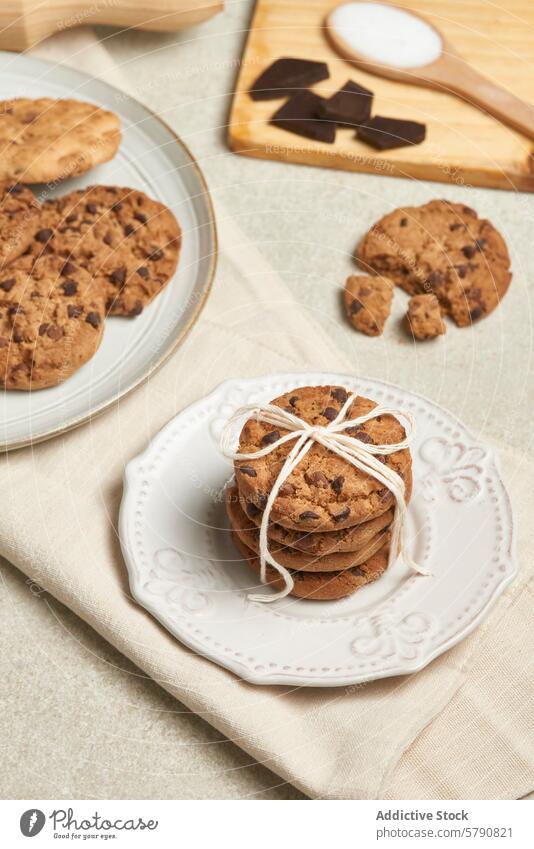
(360,454)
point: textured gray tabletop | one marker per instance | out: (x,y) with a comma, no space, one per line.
(78,719)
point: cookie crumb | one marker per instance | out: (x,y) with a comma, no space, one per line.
(424,317)
(368,303)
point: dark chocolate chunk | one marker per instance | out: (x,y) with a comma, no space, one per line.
(73,311)
(475,313)
(143,271)
(330,413)
(140,216)
(156,255)
(93,318)
(308,514)
(337,484)
(70,287)
(287,76)
(286,489)
(271,437)
(7,285)
(68,268)
(387,133)
(351,105)
(469,251)
(343,516)
(44,235)
(118,276)
(91,208)
(339,394)
(248,470)
(252,510)
(300,115)
(316,479)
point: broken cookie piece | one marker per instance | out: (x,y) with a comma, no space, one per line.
(368,303)
(424,317)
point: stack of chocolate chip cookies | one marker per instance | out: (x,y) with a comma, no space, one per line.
(330,522)
(67,263)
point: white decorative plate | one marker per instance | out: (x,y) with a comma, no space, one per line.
(150,158)
(184,569)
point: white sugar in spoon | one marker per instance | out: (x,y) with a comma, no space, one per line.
(401,45)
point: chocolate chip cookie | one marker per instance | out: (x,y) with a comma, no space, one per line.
(128,242)
(424,317)
(443,249)
(45,140)
(19,214)
(368,303)
(327,542)
(292,558)
(51,322)
(324,492)
(321,586)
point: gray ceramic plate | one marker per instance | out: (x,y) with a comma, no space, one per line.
(150,158)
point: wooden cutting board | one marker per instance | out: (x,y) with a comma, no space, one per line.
(463,145)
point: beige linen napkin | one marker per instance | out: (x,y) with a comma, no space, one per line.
(460,728)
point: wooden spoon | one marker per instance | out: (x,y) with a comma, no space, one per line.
(448,71)
(24,23)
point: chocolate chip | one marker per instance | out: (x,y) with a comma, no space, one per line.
(330,413)
(286,489)
(70,287)
(262,499)
(316,479)
(293,400)
(91,208)
(309,514)
(93,318)
(475,313)
(461,270)
(117,206)
(360,434)
(129,229)
(403,222)
(44,235)
(456,226)
(54,332)
(271,437)
(74,311)
(469,251)
(118,276)
(355,307)
(70,218)
(140,216)
(7,285)
(337,484)
(156,255)
(248,470)
(137,309)
(435,279)
(67,268)
(480,244)
(357,572)
(341,517)
(252,510)
(143,271)
(43,328)
(339,394)
(15,189)
(107,239)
